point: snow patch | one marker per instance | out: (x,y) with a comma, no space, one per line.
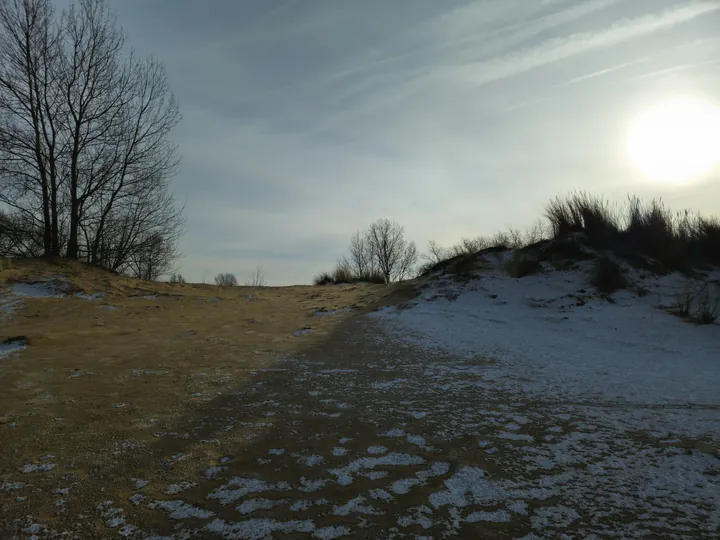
(258,529)
(43,289)
(12,346)
(244,486)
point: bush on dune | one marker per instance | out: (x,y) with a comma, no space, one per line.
(678,241)
(342,275)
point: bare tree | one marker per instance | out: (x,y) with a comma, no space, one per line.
(435,253)
(19,237)
(226,280)
(257,278)
(361,260)
(395,257)
(84,146)
(29,114)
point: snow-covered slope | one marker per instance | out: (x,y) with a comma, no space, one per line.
(635,389)
(553,329)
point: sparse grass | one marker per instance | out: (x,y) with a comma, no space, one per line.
(324,278)
(607,276)
(463,256)
(343,275)
(563,253)
(582,212)
(522,264)
(700,307)
(196,338)
(639,231)
(708,314)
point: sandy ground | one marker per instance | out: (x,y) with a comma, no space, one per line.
(199,412)
(123,379)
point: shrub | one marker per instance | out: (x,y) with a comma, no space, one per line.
(522,264)
(607,276)
(582,212)
(257,278)
(324,278)
(226,280)
(708,313)
(370,277)
(640,230)
(701,306)
(342,274)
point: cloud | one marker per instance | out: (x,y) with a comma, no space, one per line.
(454,75)
(307,120)
(562,48)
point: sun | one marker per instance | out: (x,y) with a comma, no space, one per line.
(677,141)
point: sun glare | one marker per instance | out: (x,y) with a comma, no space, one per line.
(677,141)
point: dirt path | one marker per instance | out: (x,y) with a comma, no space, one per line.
(359,435)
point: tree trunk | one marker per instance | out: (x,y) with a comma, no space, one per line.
(47,231)
(72,248)
(55,241)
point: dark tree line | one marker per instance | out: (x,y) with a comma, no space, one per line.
(85,154)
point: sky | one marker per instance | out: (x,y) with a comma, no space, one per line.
(306,120)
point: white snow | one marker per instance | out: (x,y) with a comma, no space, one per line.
(375,475)
(628,350)
(310,461)
(181,510)
(252,505)
(245,486)
(515,436)
(381,495)
(500,516)
(355,506)
(377,450)
(334,531)
(403,486)
(419,516)
(45,289)
(32,467)
(308,486)
(344,474)
(300,506)
(439,468)
(258,529)
(624,417)
(13,346)
(174,489)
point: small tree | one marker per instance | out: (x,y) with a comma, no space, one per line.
(435,253)
(226,280)
(177,279)
(361,260)
(394,256)
(257,278)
